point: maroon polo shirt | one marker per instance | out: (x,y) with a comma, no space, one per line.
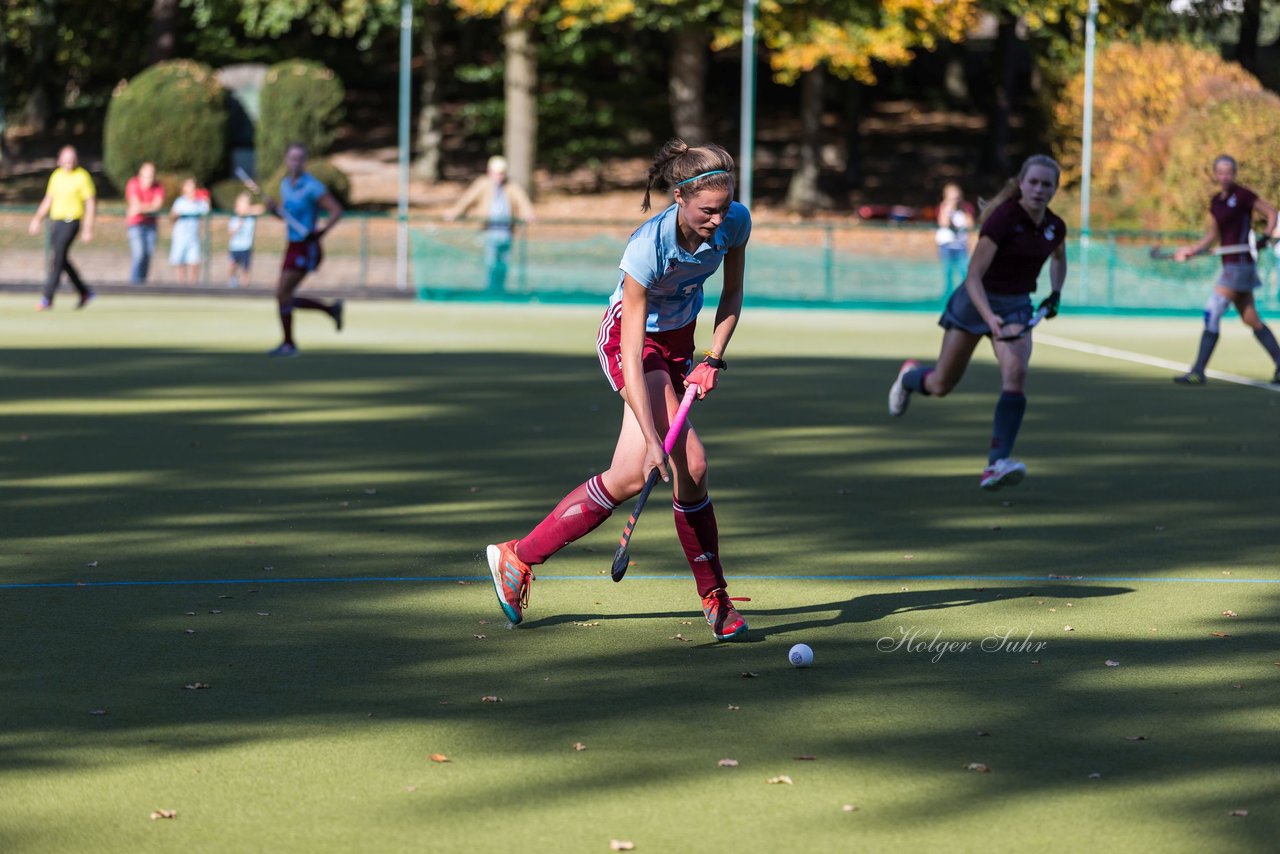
(1232,210)
(1022,247)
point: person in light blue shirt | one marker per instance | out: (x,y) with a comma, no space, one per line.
(645,345)
(188,213)
(241,229)
(302,198)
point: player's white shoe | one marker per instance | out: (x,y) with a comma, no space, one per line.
(899,397)
(1006,472)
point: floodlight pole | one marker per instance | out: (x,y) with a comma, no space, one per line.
(746,141)
(402,207)
(1086,160)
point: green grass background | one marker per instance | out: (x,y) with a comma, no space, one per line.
(150,440)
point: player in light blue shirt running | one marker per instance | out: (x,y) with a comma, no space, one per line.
(302,196)
(645,344)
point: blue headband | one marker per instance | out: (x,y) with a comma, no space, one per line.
(703,175)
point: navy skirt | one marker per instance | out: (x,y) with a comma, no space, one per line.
(960,312)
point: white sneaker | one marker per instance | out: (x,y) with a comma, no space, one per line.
(899,397)
(1006,472)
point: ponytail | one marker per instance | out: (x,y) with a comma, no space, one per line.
(692,168)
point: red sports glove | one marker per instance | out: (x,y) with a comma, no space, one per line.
(704,376)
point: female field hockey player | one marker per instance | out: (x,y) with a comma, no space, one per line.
(1230,222)
(1018,234)
(302,197)
(645,345)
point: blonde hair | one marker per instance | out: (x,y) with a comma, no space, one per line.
(678,163)
(1012,188)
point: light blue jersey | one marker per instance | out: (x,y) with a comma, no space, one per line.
(672,276)
(242,230)
(186,226)
(301,199)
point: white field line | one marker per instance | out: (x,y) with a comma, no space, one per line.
(1151,361)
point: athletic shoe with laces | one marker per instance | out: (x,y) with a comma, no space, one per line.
(1006,472)
(44,305)
(284,351)
(1190,378)
(725,621)
(85,299)
(336,312)
(511,579)
(899,397)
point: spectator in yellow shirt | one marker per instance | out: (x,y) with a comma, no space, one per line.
(69,201)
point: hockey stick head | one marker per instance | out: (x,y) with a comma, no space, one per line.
(1162,253)
(1031,324)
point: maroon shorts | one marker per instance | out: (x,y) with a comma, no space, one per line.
(663,351)
(304,255)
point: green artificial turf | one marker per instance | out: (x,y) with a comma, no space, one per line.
(305,537)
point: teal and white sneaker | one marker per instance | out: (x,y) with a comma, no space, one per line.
(1006,472)
(899,397)
(511,579)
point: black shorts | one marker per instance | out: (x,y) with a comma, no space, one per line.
(961,313)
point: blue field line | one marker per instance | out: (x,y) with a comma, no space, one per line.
(746,579)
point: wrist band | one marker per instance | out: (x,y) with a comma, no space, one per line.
(715,362)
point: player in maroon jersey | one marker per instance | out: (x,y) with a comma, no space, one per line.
(1018,234)
(1230,222)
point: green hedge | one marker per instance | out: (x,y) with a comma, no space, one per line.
(174,115)
(301,101)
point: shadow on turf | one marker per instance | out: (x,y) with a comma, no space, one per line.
(766,622)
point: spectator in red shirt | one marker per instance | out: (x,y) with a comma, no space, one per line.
(143,199)
(1018,234)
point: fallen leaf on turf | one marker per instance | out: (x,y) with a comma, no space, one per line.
(686,622)
(1237,686)
(621,845)
(479,637)
(196,686)
(267,568)
(751,674)
(680,638)
(1095,776)
(1159,527)
(226,596)
(579,746)
(1111,662)
(215,611)
(411,788)
(191,631)
(1221,634)
(491,699)
(438,757)
(734,708)
(728,763)
(98,712)
(995,527)
(155,814)
(783,779)
(590,625)
(805,757)
(264,613)
(1136,738)
(908,557)
(977,766)
(371,492)
(188,613)
(1053,610)
(1067,629)
(848,808)
(92,563)
(982,732)
(1230,614)
(1238,813)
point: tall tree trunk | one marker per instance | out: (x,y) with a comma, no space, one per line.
(996,156)
(164,31)
(855,103)
(520,125)
(4,95)
(1247,46)
(37,111)
(430,118)
(802,193)
(687,85)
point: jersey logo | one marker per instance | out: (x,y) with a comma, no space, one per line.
(1231,201)
(1048,232)
(688,289)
